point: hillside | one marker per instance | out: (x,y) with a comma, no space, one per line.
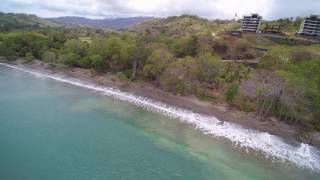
(190,56)
(117,23)
(184,25)
(11,21)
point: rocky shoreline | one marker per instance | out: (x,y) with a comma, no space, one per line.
(223,112)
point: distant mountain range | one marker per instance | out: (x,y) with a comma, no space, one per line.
(11,21)
(117,23)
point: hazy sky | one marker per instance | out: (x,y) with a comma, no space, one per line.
(211,9)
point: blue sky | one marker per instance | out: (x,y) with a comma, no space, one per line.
(211,9)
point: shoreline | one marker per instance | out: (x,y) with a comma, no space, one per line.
(223,112)
(278,147)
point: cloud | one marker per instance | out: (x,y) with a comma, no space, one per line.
(212,9)
(293,8)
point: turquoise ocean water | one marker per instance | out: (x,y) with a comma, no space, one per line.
(54,131)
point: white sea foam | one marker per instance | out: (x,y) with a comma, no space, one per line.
(302,155)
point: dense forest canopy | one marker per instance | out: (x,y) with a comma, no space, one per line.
(184,55)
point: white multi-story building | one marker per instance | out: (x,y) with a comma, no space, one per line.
(251,23)
(310,26)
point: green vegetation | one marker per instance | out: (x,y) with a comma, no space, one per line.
(180,55)
(231,92)
(11,21)
(287,85)
(19,44)
(289,25)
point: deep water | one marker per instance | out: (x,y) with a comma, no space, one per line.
(52,130)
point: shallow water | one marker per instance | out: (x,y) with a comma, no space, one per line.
(52,130)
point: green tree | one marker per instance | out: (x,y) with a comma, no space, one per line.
(156,63)
(114,50)
(49,56)
(209,68)
(97,63)
(138,54)
(186,46)
(18,44)
(180,76)
(70,59)
(76,46)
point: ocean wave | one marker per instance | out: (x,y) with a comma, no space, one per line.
(302,155)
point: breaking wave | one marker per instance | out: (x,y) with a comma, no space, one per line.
(302,155)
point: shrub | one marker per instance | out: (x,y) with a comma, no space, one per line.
(122,77)
(221,47)
(2,48)
(29,57)
(242,45)
(231,92)
(245,105)
(49,56)
(182,47)
(209,68)
(300,54)
(274,59)
(206,97)
(127,73)
(240,50)
(84,62)
(180,76)
(173,84)
(268,62)
(70,59)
